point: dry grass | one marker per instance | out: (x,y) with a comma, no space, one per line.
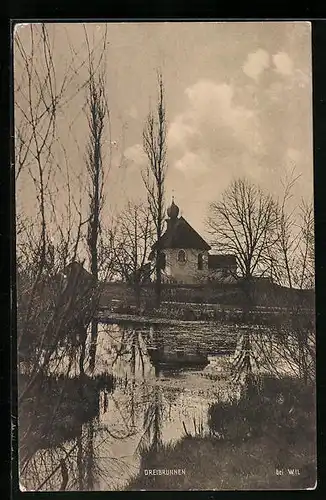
(252,440)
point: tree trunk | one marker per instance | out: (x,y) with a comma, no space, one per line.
(82,353)
(92,350)
(158,282)
(248,296)
(137,293)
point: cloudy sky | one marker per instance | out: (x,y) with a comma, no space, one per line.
(238,99)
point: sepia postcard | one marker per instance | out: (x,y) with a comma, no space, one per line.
(164,256)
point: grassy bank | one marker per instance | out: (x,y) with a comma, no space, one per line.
(251,442)
(264,294)
(204,312)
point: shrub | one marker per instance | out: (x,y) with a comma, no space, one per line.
(279,406)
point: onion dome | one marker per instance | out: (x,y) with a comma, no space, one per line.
(173,210)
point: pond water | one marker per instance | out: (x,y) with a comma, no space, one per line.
(166,379)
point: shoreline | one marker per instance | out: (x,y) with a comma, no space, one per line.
(232,316)
(113,318)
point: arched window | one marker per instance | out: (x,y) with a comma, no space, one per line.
(200,262)
(181,256)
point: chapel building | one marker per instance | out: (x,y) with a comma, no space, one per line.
(185,255)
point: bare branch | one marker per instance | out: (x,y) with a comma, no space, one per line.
(155,148)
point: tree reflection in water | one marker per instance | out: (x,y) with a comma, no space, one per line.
(153,415)
(246,364)
(51,443)
(267,425)
(125,430)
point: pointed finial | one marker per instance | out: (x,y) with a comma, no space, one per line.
(173,210)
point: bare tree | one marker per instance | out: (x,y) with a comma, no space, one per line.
(55,294)
(37,98)
(292,267)
(307,248)
(155,148)
(299,343)
(133,242)
(44,243)
(98,121)
(284,254)
(36,106)
(243,223)
(41,93)
(292,256)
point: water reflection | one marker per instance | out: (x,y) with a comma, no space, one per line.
(168,384)
(58,434)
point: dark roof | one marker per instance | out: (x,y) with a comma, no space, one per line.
(180,234)
(221,261)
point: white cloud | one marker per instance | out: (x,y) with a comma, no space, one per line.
(256,63)
(215,102)
(135,154)
(283,63)
(226,132)
(212,134)
(192,164)
(180,130)
(213,119)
